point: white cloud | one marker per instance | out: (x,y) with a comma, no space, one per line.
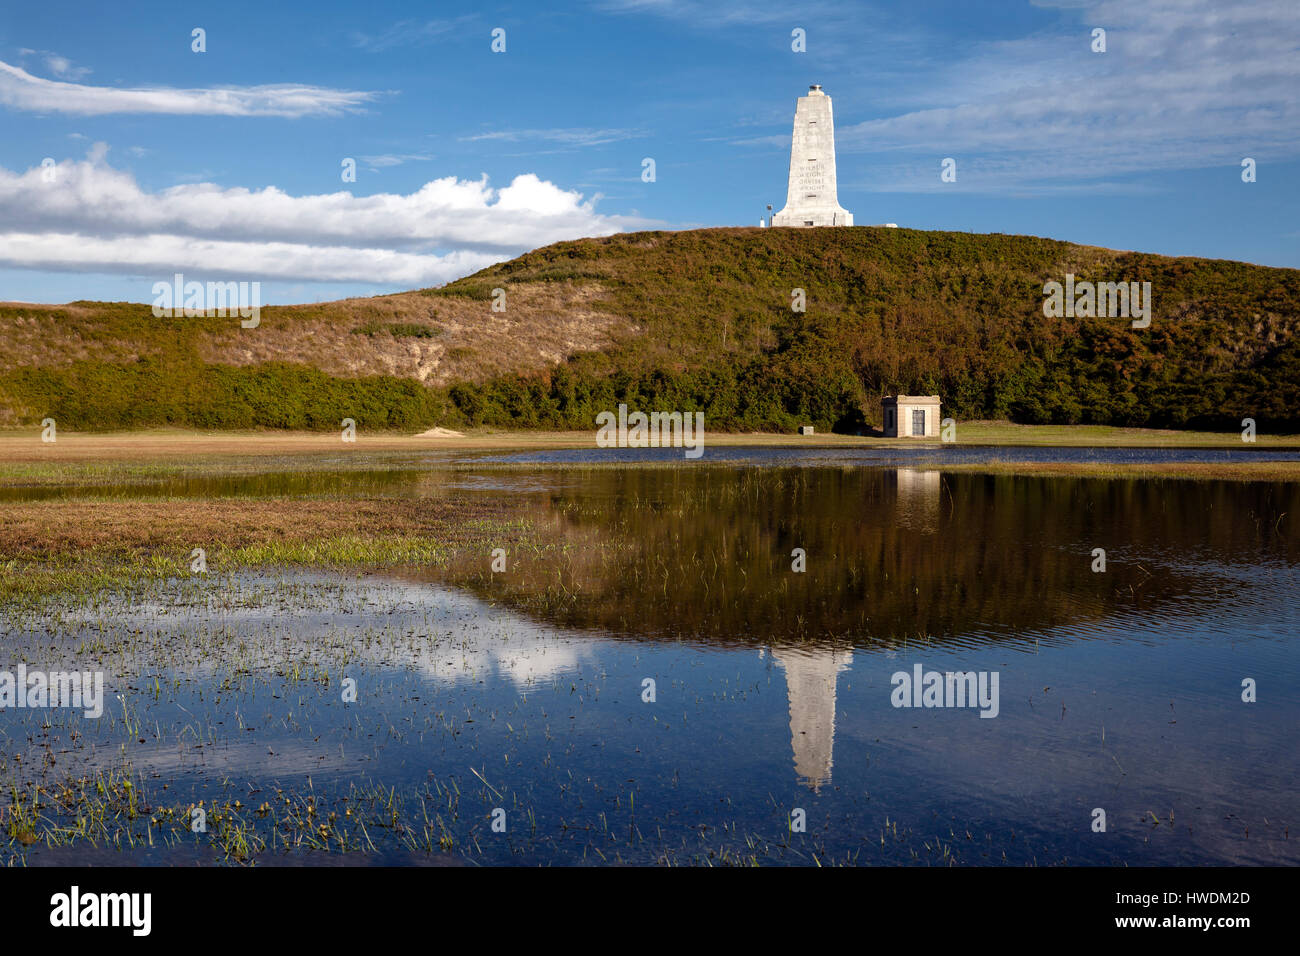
(21,91)
(94,217)
(159,256)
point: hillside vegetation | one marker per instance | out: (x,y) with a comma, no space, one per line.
(694,320)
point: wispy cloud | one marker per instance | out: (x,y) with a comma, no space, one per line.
(57,64)
(711,13)
(566,137)
(1182,85)
(385,160)
(21,90)
(409,33)
(835,31)
(777,139)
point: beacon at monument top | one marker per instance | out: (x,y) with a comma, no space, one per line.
(812,197)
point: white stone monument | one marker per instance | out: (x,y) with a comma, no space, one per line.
(812,197)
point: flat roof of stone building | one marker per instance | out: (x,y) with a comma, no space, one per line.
(912,399)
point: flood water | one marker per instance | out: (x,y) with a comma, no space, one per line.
(705,667)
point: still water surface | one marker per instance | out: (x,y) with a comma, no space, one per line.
(773,687)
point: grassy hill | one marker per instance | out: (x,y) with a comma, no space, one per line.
(694,320)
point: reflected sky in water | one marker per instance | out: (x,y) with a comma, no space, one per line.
(1119,690)
(901,455)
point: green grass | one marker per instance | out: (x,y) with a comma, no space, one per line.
(888,311)
(26,583)
(405,330)
(896,310)
(103,396)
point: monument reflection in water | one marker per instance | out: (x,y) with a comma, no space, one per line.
(902,564)
(812,674)
(811,677)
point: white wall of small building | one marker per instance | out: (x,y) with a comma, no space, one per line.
(903,425)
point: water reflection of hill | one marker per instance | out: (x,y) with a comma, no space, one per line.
(706,553)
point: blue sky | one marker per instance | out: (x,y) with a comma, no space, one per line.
(226,164)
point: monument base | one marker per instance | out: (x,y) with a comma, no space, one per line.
(807,220)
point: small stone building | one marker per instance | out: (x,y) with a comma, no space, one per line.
(911,416)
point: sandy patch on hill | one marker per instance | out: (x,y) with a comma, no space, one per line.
(464,340)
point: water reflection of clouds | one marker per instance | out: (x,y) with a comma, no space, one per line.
(442,634)
(396,637)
